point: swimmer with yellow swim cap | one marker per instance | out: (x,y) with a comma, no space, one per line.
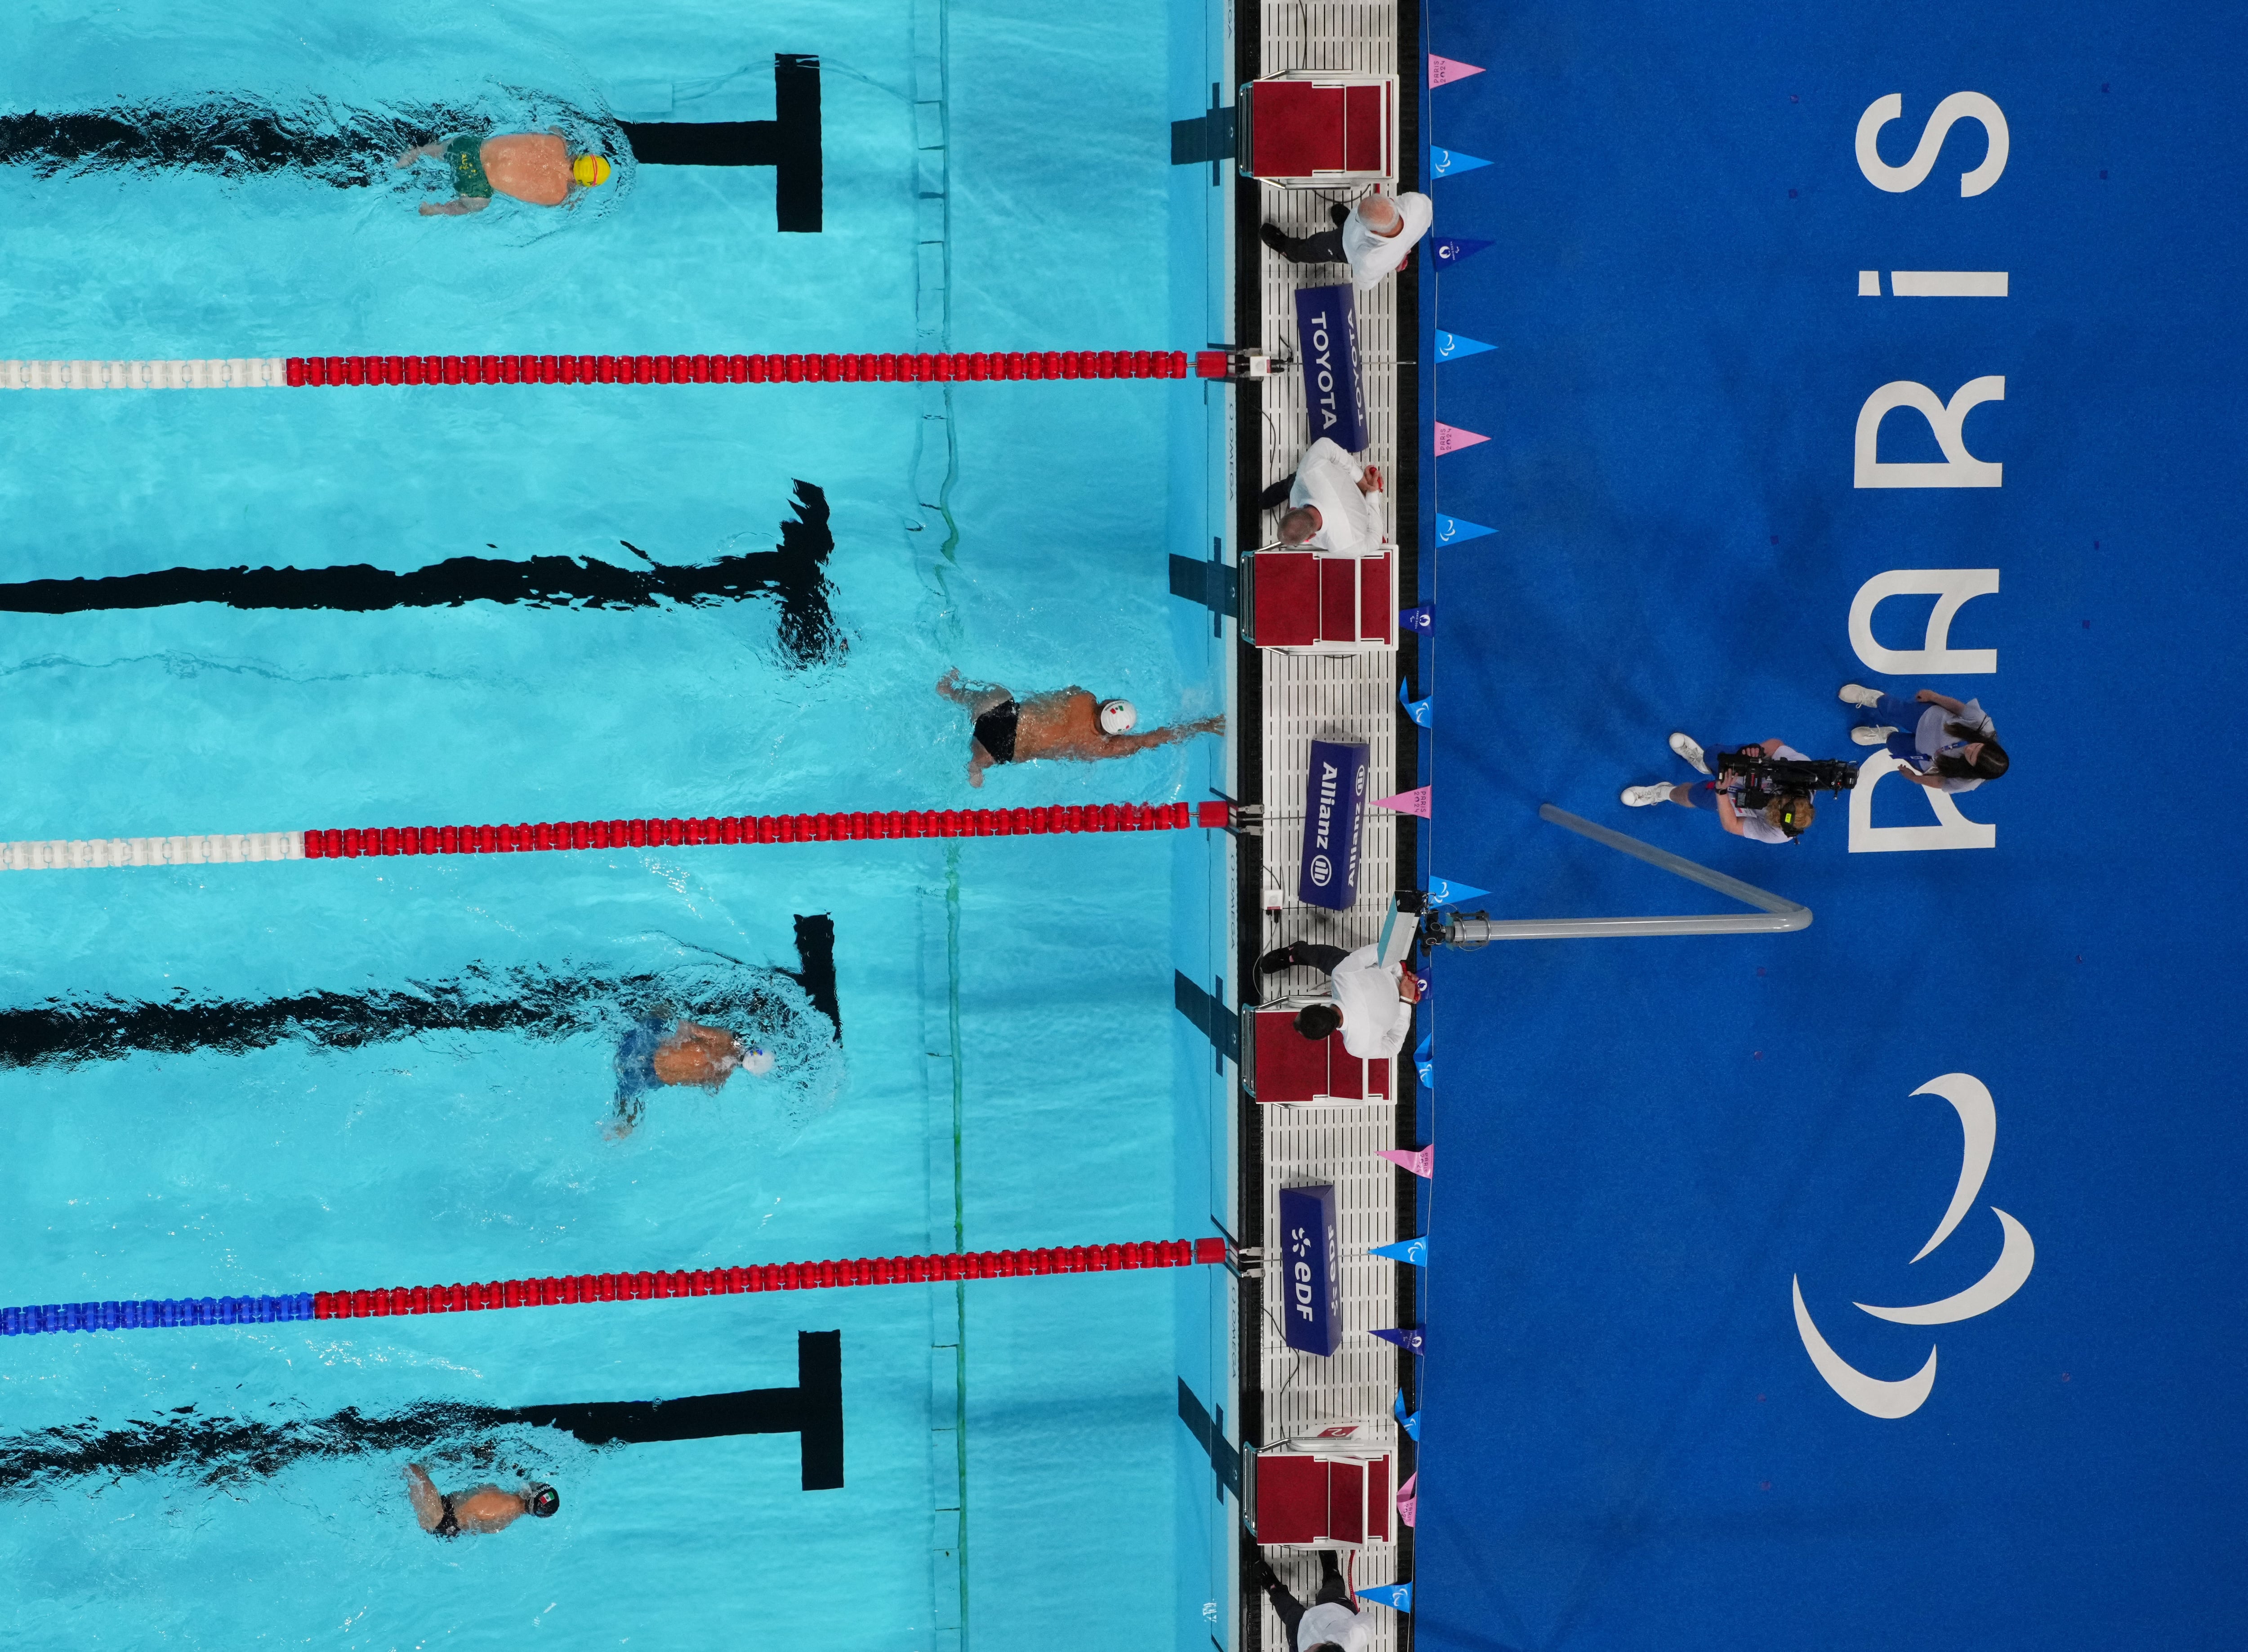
(532,166)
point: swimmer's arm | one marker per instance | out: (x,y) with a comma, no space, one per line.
(428,1507)
(1124,744)
(427,151)
(456,207)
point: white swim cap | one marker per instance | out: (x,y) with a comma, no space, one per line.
(757,1060)
(1117,716)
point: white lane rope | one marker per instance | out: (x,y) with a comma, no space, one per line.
(215,373)
(206,849)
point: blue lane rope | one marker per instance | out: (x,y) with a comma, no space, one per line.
(32,1320)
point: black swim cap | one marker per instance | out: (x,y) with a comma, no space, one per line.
(543,1498)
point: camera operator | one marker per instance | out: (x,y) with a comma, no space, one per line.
(1953,743)
(1781,820)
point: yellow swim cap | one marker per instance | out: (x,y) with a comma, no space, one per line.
(590,169)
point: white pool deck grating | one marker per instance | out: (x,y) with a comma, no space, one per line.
(1349,697)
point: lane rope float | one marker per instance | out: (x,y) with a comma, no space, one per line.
(569,1289)
(352,843)
(273,373)
(228,372)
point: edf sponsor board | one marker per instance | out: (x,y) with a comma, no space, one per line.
(1312,1266)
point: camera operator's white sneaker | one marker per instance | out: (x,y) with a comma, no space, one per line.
(1638,796)
(1685,747)
(1874,734)
(1858,694)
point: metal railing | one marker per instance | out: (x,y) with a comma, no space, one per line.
(1774,914)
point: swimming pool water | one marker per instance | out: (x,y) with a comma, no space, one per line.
(1011,1071)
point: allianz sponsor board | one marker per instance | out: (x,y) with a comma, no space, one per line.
(1334,803)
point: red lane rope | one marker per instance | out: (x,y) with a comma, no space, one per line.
(781,1276)
(860,368)
(350,843)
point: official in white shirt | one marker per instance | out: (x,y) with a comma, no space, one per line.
(1330,1623)
(1371,1001)
(1335,503)
(1372,237)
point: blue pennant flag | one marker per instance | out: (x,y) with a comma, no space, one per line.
(1413,1250)
(1398,1597)
(1445,251)
(1423,619)
(1453,531)
(1428,1071)
(1416,709)
(1449,163)
(1410,1337)
(1411,1424)
(1443,891)
(1427,1047)
(1458,347)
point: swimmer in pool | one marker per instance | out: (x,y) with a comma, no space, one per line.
(533,167)
(1068,724)
(658,1052)
(480,1509)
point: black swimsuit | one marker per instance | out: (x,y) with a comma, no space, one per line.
(995,730)
(449,1524)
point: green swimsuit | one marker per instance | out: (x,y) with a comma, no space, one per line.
(465,157)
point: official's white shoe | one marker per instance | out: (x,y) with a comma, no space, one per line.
(1858,694)
(1638,796)
(1877,734)
(1686,748)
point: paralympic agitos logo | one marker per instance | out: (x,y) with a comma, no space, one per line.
(1978,1123)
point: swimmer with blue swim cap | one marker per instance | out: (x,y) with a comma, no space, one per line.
(532,166)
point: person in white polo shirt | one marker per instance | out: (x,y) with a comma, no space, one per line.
(1782,820)
(1372,237)
(1335,503)
(1330,1623)
(1952,745)
(1371,1002)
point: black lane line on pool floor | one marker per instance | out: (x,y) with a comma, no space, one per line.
(794,571)
(789,143)
(216,1450)
(536,1002)
(353,148)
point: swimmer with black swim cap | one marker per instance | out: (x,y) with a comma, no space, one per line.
(1068,724)
(536,168)
(480,1509)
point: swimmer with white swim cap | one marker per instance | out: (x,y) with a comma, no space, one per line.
(1068,724)
(532,166)
(656,1051)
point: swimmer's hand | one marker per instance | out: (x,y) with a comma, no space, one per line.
(454,208)
(426,152)
(976,775)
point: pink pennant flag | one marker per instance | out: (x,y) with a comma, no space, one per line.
(1421,1161)
(1413,802)
(1444,71)
(1409,1498)
(1450,438)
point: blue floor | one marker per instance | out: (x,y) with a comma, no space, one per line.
(1647,1145)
